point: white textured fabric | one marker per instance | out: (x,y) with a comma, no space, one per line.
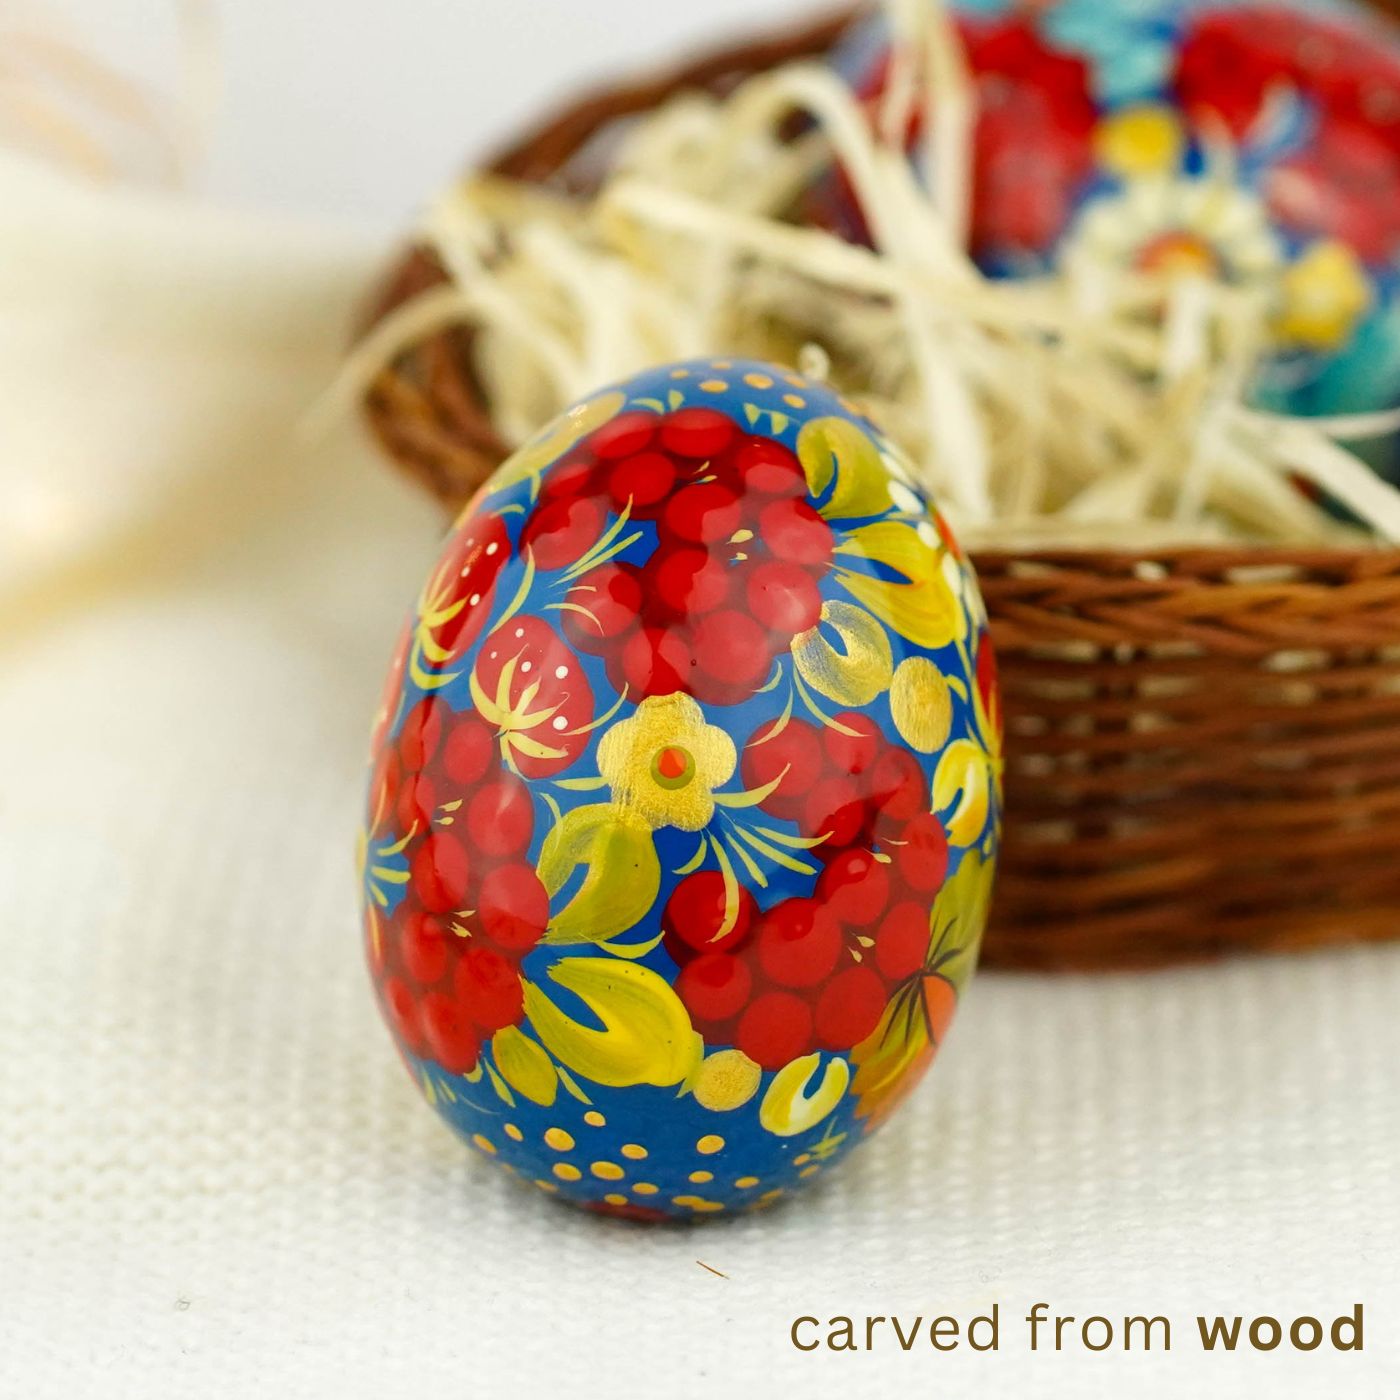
(215,1179)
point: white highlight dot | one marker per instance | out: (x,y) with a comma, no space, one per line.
(895,467)
(525,666)
(492,547)
(560,672)
(559,722)
(904,498)
(473,600)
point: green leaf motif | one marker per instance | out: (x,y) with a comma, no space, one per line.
(524,1066)
(960,917)
(645,1036)
(622,873)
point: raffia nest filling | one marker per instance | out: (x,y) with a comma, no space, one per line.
(1201,664)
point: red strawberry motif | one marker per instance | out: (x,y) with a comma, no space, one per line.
(531,688)
(464,586)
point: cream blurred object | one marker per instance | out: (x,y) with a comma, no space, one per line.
(148,344)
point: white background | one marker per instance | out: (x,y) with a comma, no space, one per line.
(215,1179)
(360,109)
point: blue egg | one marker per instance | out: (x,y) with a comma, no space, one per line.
(686,796)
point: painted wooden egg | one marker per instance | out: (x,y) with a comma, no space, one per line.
(685,798)
(1254,141)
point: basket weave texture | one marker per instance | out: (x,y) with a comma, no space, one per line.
(1202,745)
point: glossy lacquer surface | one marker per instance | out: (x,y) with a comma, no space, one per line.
(685,798)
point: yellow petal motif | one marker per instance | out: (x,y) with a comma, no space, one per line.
(1146,139)
(858,672)
(1325,293)
(963,782)
(787,1107)
(829,447)
(921,704)
(923,608)
(622,875)
(524,1065)
(664,762)
(646,1035)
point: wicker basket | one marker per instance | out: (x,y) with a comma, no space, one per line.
(1203,746)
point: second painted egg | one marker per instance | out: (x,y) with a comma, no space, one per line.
(1256,142)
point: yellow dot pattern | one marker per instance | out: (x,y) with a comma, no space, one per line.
(710,1144)
(758,381)
(680,374)
(714,386)
(721,364)
(794,401)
